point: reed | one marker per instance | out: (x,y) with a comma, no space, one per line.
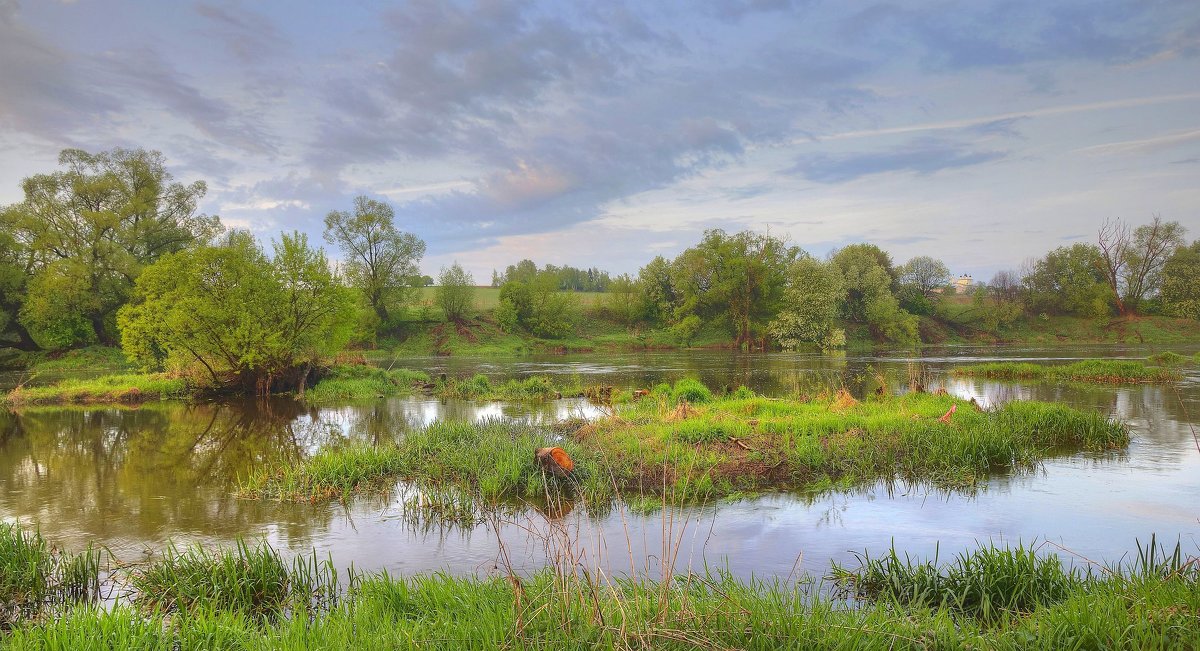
(536,387)
(357,382)
(33,575)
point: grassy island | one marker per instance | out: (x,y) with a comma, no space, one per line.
(684,441)
(1094,371)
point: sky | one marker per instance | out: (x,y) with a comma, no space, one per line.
(604,133)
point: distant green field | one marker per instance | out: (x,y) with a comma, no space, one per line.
(487,298)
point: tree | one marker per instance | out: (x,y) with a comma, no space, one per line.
(1067,280)
(867,279)
(623,302)
(455,292)
(810,306)
(1132,263)
(379,260)
(925,274)
(1005,285)
(740,277)
(657,291)
(14,273)
(245,320)
(537,306)
(86,233)
(1181,282)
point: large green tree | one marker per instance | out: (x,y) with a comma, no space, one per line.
(378,259)
(455,292)
(1068,280)
(245,319)
(810,306)
(86,232)
(740,277)
(868,278)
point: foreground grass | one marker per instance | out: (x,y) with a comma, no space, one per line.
(1096,371)
(721,446)
(130,388)
(1034,602)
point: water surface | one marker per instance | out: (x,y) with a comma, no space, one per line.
(134,479)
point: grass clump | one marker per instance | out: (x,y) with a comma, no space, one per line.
(129,389)
(253,581)
(363,382)
(90,358)
(1096,371)
(690,390)
(32,575)
(480,387)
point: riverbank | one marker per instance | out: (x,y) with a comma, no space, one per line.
(684,443)
(249,597)
(344,383)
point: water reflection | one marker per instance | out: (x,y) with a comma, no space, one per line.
(131,479)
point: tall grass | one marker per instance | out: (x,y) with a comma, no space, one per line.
(1097,371)
(33,575)
(253,581)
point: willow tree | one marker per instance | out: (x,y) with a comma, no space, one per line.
(88,230)
(245,320)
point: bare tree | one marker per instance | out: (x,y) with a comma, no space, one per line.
(1005,285)
(1132,261)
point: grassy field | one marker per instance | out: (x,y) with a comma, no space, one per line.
(992,597)
(682,441)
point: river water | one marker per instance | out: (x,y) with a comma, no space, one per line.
(132,480)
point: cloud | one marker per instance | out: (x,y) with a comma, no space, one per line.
(922,156)
(249,36)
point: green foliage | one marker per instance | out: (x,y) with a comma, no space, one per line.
(243,318)
(86,232)
(868,277)
(455,292)
(537,306)
(380,261)
(1068,280)
(1181,282)
(810,305)
(686,329)
(738,277)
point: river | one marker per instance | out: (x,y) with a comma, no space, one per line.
(131,480)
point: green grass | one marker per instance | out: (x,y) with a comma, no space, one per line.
(491,461)
(131,388)
(910,605)
(732,444)
(92,358)
(480,387)
(32,574)
(1096,371)
(361,382)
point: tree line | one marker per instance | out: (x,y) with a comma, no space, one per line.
(110,249)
